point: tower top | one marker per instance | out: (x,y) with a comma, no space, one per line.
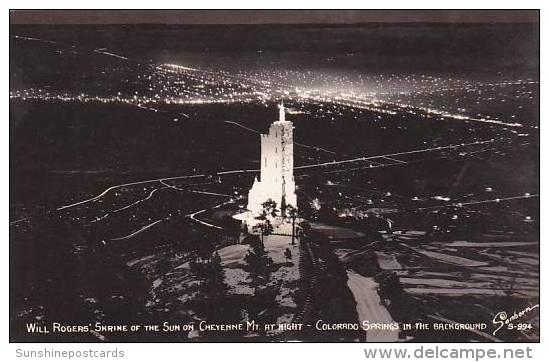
(281,112)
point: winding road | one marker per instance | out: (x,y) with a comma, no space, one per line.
(369,307)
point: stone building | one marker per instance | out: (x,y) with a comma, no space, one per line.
(276,180)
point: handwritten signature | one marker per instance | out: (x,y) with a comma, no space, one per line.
(501,319)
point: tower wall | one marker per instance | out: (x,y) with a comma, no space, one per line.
(277,167)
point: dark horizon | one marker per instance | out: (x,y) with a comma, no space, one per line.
(264,17)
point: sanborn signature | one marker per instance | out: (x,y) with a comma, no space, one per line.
(502,319)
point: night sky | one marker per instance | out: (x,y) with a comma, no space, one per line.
(269,16)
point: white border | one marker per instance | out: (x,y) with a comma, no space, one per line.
(252,351)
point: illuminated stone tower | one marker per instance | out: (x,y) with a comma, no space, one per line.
(277,167)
